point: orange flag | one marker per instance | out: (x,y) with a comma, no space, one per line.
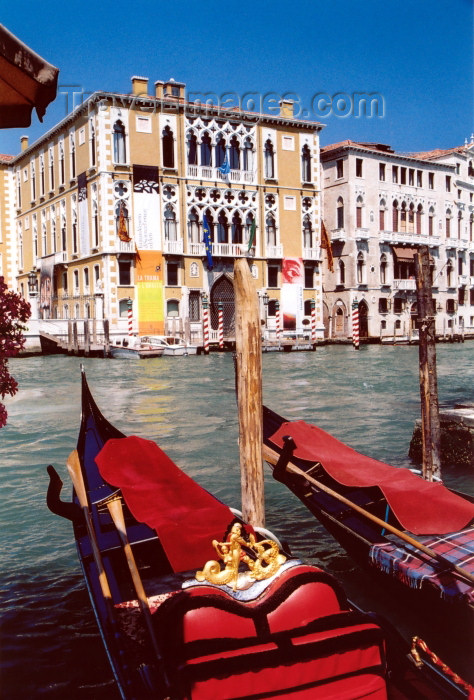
(122,226)
(326,244)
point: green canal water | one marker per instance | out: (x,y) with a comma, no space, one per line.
(50,646)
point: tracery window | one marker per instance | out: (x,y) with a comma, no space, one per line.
(167,141)
(306,164)
(269,157)
(120,152)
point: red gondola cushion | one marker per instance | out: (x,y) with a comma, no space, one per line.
(294,641)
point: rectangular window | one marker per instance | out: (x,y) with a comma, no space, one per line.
(431,181)
(403,176)
(383,305)
(448,183)
(358,167)
(382,172)
(382,219)
(411,177)
(309,277)
(395,173)
(273,276)
(359,217)
(419,178)
(125,277)
(339,168)
(172,274)
(194,306)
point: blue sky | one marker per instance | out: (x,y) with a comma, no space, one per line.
(415,58)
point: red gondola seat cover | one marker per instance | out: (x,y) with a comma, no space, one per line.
(297,640)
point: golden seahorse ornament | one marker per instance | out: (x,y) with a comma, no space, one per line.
(231,554)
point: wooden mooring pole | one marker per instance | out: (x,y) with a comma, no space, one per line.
(430,425)
(249,393)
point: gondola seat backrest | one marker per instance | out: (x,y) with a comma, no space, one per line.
(297,640)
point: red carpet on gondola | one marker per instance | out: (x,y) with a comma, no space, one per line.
(422,507)
(185,516)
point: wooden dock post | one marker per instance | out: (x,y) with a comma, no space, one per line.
(106,337)
(87,339)
(430,425)
(75,341)
(69,337)
(249,393)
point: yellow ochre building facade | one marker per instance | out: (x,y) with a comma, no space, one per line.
(109,209)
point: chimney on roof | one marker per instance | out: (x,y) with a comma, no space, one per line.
(159,84)
(24,143)
(173,89)
(139,86)
(286,108)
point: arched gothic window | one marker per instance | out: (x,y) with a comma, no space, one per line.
(306,164)
(431,221)
(192,149)
(206,150)
(383,269)
(403,217)
(307,232)
(234,154)
(382,207)
(360,269)
(222,228)
(236,228)
(271,229)
(359,203)
(210,222)
(340,213)
(167,142)
(247,158)
(395,216)
(269,160)
(170,224)
(220,151)
(248,228)
(449,274)
(419,212)
(459,224)
(120,152)
(448,223)
(411,218)
(341,272)
(193,226)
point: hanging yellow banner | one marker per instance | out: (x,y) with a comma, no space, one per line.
(150,294)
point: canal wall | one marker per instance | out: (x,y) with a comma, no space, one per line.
(457,437)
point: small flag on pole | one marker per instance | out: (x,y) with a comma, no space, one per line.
(206,232)
(326,244)
(225,167)
(252,235)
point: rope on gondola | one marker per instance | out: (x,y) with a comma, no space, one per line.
(418,642)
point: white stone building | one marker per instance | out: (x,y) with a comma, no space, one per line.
(379,206)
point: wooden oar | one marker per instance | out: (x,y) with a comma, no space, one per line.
(271,456)
(116,513)
(74,469)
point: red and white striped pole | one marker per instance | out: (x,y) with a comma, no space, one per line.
(205,324)
(220,321)
(355,324)
(130,317)
(278,319)
(313,321)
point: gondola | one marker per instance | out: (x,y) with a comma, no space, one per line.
(414,536)
(193,603)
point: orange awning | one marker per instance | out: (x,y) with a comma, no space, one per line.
(405,254)
(27,81)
